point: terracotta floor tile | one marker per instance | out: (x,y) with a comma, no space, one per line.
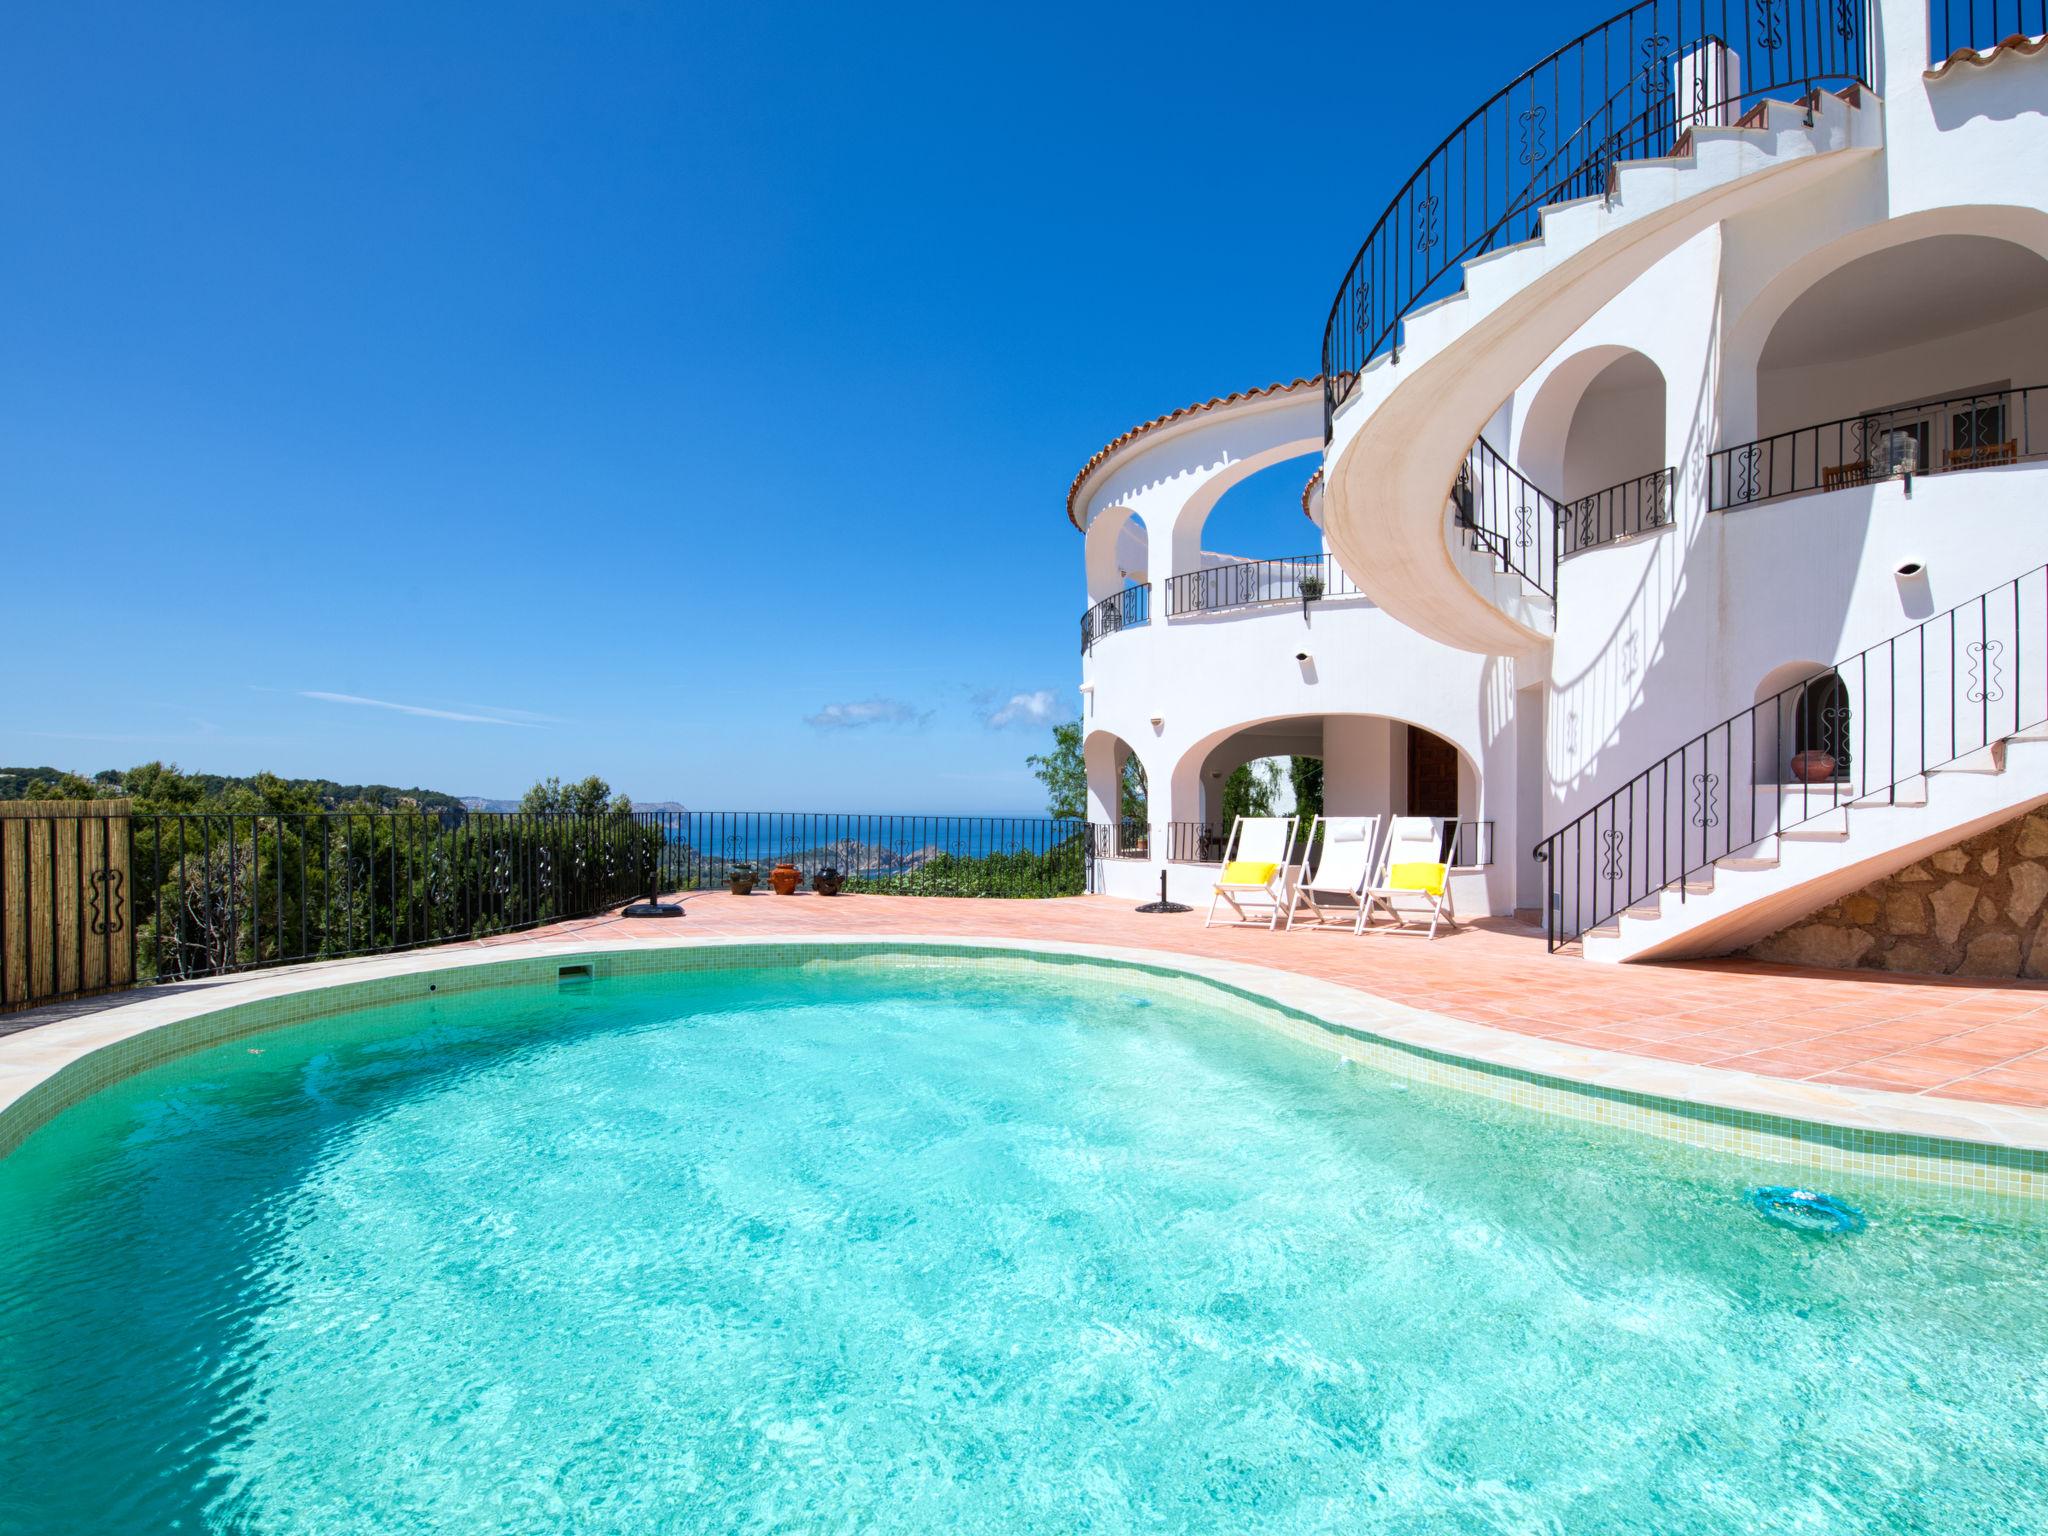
(1856,1028)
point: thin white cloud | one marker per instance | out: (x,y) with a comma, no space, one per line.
(1040,707)
(410,709)
(864,712)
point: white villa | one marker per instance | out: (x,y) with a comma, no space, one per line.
(1677,480)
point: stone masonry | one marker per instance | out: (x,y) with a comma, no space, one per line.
(1975,909)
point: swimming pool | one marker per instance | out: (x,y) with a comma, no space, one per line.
(912,1245)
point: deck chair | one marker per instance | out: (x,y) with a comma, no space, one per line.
(1255,872)
(1333,896)
(1415,888)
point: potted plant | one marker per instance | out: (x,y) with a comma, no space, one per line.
(1813,766)
(784,878)
(1310,588)
(828,881)
(740,878)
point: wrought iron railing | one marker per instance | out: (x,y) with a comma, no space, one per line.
(1194,842)
(1931,437)
(1120,610)
(1852,735)
(1300,579)
(148,896)
(1503,516)
(219,891)
(1120,839)
(1628,89)
(1622,511)
(1956,25)
(1008,856)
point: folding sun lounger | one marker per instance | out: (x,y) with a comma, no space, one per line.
(1254,876)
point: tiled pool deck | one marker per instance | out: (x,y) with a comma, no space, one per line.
(1979,1041)
(1858,1076)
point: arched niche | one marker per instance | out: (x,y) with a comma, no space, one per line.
(1942,302)
(1597,420)
(1118,552)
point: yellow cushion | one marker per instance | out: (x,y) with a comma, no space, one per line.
(1427,878)
(1239,872)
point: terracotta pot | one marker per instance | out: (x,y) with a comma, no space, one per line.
(741,885)
(1813,767)
(785,878)
(828,882)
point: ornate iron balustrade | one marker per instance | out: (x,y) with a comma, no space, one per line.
(1257,583)
(1629,89)
(1120,610)
(1622,511)
(1121,839)
(1507,518)
(1931,437)
(1851,735)
(1956,25)
(173,896)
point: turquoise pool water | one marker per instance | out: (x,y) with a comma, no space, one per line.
(916,1249)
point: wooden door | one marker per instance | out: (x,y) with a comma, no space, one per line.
(1432,775)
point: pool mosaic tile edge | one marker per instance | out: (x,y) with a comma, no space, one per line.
(1985,1149)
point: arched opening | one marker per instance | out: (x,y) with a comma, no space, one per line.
(1119,796)
(1914,358)
(1593,436)
(1118,552)
(1616,432)
(1803,726)
(1338,765)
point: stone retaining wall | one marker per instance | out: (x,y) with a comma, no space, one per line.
(1975,909)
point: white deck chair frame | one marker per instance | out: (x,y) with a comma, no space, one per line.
(1271,842)
(1412,840)
(1333,895)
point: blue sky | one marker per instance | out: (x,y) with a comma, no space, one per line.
(458,394)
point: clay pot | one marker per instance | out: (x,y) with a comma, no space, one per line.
(741,882)
(785,878)
(1813,767)
(828,882)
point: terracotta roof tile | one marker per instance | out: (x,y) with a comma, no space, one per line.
(2018,43)
(1309,490)
(1115,444)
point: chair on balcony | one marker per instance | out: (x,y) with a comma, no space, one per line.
(2007,452)
(1835,476)
(1332,897)
(1253,881)
(1415,891)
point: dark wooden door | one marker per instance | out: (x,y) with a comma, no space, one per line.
(1432,775)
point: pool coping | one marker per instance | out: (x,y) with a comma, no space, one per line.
(2001,1147)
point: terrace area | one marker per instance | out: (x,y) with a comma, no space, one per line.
(1984,1042)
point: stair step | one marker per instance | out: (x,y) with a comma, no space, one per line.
(1814,832)
(1989,759)
(1748,861)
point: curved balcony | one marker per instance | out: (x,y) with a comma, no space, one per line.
(1633,88)
(1929,437)
(1302,579)
(1120,610)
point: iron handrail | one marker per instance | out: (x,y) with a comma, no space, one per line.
(1853,734)
(1506,517)
(1254,583)
(1618,87)
(1622,511)
(1956,26)
(1974,431)
(1120,610)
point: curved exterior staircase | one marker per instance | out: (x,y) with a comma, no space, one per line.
(1499,248)
(1929,737)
